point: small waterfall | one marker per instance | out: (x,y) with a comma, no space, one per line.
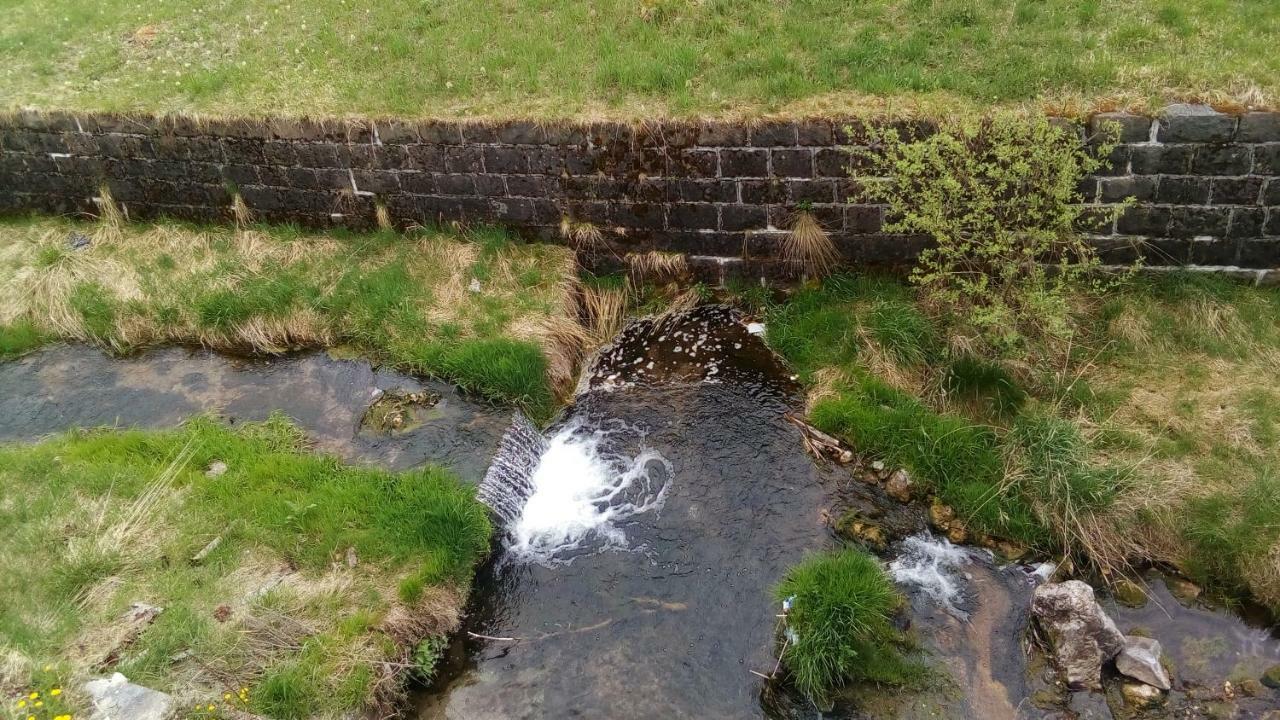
(935,567)
(509,481)
(564,496)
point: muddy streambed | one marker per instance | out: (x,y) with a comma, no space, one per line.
(655,601)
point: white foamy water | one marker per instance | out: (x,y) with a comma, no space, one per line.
(580,492)
(935,567)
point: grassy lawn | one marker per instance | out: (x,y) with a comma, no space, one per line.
(291,584)
(1155,438)
(632,58)
(480,310)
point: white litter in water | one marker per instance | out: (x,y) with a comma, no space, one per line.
(936,567)
(755,328)
(581,492)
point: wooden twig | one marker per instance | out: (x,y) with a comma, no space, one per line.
(492,637)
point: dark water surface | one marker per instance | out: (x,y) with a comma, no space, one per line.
(67,386)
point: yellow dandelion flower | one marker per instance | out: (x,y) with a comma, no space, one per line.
(211,707)
(226,696)
(38,703)
(55,692)
(47,668)
(34,695)
(22,704)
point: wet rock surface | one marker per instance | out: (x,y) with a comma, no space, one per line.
(67,386)
(1082,637)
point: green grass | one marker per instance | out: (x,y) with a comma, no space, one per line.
(18,338)
(842,608)
(401,299)
(96,520)
(634,57)
(1155,438)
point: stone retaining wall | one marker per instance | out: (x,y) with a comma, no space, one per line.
(1207,184)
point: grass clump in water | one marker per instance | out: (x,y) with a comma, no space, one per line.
(839,628)
(277,571)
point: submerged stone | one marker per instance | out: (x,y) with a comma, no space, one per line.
(1140,660)
(1129,593)
(1271,678)
(1141,695)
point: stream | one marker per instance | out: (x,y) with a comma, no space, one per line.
(641,534)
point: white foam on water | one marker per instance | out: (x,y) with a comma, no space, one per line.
(935,567)
(581,492)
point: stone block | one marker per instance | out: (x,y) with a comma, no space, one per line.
(696,163)
(864,219)
(1161,159)
(455,184)
(1267,159)
(1195,124)
(376,181)
(722,134)
(427,158)
(1259,127)
(811,191)
(792,162)
(832,162)
(1185,190)
(1237,191)
(743,217)
(1116,189)
(814,133)
(641,216)
(1132,128)
(317,154)
(434,132)
(773,134)
(463,159)
(693,216)
(1246,222)
(1222,160)
(1185,222)
(744,163)
(721,191)
(1271,193)
(762,192)
(418,183)
(1147,220)
(488,185)
(532,186)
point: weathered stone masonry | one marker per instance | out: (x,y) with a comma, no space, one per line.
(1207,184)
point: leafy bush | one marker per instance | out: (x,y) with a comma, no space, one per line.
(999,198)
(839,627)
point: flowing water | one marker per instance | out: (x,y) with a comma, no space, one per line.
(65,386)
(642,533)
(634,582)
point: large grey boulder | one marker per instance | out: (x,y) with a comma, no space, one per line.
(1140,660)
(1082,636)
(115,698)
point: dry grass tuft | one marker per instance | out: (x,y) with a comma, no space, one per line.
(382,216)
(604,311)
(240,211)
(808,247)
(583,236)
(656,267)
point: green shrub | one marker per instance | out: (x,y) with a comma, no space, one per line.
(840,623)
(999,198)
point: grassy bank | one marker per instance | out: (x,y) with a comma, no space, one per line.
(1152,437)
(291,585)
(479,310)
(633,58)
